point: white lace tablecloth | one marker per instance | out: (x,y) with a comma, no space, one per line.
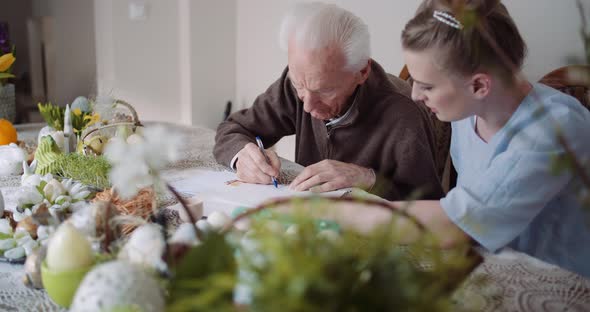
(506,281)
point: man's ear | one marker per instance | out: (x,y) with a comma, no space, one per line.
(481,85)
(364,73)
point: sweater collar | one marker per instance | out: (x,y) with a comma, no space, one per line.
(337,121)
(353,111)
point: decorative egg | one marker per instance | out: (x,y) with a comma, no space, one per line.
(217,220)
(33,268)
(96,144)
(118,286)
(68,249)
(145,247)
(59,138)
(203,225)
(28,225)
(185,234)
(135,139)
(11,159)
(82,103)
(47,130)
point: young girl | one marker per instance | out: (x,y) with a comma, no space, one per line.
(465,61)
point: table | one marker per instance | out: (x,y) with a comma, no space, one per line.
(504,281)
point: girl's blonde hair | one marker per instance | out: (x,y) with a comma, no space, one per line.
(484,38)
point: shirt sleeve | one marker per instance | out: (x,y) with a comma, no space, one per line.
(232,163)
(272,116)
(497,205)
(508,196)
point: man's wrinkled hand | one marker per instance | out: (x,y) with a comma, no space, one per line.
(252,167)
(328,175)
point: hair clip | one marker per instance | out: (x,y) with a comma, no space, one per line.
(447,19)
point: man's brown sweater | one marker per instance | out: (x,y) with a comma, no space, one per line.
(384,130)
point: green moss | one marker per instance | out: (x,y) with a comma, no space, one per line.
(90,170)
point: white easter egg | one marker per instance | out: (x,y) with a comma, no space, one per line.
(11,159)
(59,138)
(185,234)
(203,225)
(118,285)
(218,220)
(68,249)
(135,139)
(145,247)
(47,130)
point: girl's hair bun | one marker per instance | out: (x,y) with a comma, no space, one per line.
(482,7)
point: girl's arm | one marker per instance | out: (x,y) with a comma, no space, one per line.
(431,214)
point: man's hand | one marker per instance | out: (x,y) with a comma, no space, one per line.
(252,167)
(328,175)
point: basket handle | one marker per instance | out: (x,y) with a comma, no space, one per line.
(134,124)
(131,109)
(277,202)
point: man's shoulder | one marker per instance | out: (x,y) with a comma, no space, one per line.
(380,79)
(389,90)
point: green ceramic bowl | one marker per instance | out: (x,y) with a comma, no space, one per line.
(61,286)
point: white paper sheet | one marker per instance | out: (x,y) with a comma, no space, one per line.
(217,192)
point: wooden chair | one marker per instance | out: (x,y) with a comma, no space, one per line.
(573,80)
(442,136)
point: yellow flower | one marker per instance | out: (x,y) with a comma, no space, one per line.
(93,119)
(6,61)
(78,112)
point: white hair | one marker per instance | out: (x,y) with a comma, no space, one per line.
(315,25)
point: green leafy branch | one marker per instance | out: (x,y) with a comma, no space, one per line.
(8,72)
(309,271)
(54,117)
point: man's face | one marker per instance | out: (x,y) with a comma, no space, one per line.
(321,81)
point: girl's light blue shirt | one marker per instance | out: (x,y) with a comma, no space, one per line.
(506,194)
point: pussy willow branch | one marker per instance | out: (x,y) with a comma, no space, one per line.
(577,164)
(185,206)
(107,229)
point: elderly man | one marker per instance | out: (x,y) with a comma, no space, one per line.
(353,127)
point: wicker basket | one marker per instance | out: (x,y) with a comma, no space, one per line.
(139,206)
(362,215)
(132,124)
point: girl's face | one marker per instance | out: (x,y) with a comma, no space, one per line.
(448,96)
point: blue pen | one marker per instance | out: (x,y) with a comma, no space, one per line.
(261,147)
